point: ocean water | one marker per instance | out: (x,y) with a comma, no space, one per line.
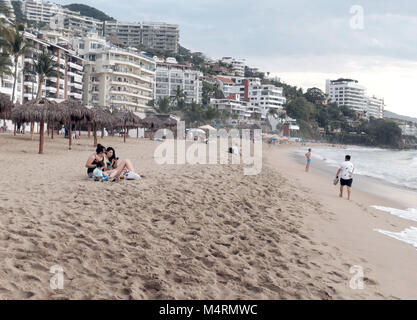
(408,235)
(393,166)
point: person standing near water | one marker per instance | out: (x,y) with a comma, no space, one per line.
(346,176)
(308,156)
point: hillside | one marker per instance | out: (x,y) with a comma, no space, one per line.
(88,11)
(392,115)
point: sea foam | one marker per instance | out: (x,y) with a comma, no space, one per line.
(410,213)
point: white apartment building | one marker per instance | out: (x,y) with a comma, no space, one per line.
(408,130)
(151,35)
(128,32)
(73,21)
(240,110)
(171,77)
(347,92)
(237,64)
(8,5)
(375,107)
(40,11)
(114,77)
(264,97)
(68,85)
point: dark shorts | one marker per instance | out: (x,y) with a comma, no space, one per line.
(347,182)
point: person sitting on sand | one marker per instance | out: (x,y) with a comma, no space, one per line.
(308,156)
(98,172)
(112,162)
(94,160)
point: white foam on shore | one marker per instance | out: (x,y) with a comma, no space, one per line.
(409,214)
(408,235)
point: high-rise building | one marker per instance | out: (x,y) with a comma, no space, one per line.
(171,77)
(375,107)
(66,85)
(40,11)
(151,35)
(347,92)
(160,36)
(75,22)
(114,77)
(7,4)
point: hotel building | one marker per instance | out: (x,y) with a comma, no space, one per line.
(114,77)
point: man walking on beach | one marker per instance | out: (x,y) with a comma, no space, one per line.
(346,174)
(308,156)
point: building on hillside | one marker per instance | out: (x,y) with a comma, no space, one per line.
(171,77)
(7,4)
(238,65)
(150,35)
(160,36)
(375,107)
(68,85)
(114,77)
(347,92)
(130,33)
(264,97)
(408,130)
(39,10)
(80,25)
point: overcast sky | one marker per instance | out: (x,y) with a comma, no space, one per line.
(303,42)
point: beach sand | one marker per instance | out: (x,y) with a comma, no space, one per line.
(187,231)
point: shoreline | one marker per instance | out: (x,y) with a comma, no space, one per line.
(389,262)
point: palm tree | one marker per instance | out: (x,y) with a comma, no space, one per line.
(16,45)
(44,67)
(179,98)
(163,105)
(5,66)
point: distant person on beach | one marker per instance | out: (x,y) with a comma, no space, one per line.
(346,176)
(308,157)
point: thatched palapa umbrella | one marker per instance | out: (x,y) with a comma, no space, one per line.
(160,121)
(101,118)
(37,110)
(71,112)
(6,107)
(127,120)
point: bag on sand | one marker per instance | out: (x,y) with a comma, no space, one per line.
(132,176)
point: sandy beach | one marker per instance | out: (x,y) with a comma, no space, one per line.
(189,231)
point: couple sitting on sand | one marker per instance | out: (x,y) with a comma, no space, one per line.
(103,165)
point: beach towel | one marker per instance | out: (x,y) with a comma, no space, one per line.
(132,176)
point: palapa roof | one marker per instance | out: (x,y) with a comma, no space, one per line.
(37,110)
(159,121)
(74,111)
(127,119)
(101,117)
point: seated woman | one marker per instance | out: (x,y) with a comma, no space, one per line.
(112,162)
(95,159)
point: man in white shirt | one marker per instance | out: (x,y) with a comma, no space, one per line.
(346,174)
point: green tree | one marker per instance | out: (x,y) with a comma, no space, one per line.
(44,67)
(179,98)
(300,108)
(315,95)
(163,105)
(16,45)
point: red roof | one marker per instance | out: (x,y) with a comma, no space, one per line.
(231,96)
(226,80)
